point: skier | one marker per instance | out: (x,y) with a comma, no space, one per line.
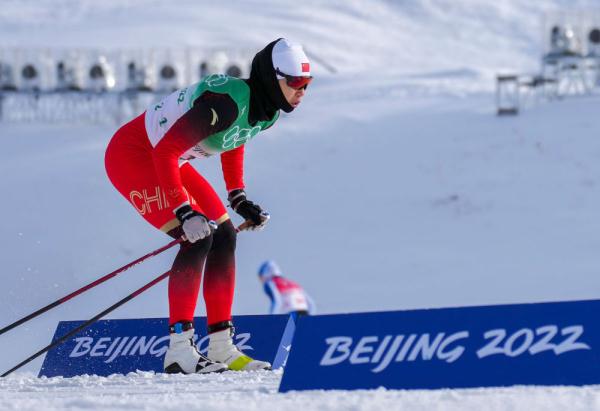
(287,297)
(147,162)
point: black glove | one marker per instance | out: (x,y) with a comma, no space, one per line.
(247,209)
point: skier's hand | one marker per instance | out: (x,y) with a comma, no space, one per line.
(247,209)
(195,225)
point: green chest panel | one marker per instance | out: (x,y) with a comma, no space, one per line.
(240,132)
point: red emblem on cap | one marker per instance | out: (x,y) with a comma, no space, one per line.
(306,67)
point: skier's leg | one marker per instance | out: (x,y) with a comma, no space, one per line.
(219,276)
(203,195)
(130,168)
(184,284)
(184,281)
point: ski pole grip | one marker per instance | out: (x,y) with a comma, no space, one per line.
(248,223)
(244,226)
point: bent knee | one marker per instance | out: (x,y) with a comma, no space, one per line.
(200,246)
(225,236)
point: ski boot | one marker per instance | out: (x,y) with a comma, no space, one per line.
(221,349)
(183,356)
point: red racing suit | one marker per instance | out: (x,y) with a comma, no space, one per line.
(147,162)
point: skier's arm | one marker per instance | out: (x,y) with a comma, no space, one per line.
(275,297)
(232,163)
(210,114)
(270,295)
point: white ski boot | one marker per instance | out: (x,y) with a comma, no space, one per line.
(221,349)
(183,356)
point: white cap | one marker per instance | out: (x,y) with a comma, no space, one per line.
(289,58)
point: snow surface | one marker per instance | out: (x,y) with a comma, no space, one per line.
(249,391)
(393,186)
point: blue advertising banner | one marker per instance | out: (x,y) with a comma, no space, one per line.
(541,344)
(285,344)
(122,346)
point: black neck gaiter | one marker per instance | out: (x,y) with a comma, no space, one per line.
(265,94)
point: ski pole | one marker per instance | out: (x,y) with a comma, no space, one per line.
(88,323)
(87,287)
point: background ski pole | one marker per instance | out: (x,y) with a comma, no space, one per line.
(89,286)
(87,323)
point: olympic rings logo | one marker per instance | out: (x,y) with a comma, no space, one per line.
(237,136)
(215,80)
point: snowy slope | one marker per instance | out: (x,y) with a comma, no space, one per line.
(393,186)
(356,36)
(257,391)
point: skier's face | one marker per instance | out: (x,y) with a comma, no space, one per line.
(292,95)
